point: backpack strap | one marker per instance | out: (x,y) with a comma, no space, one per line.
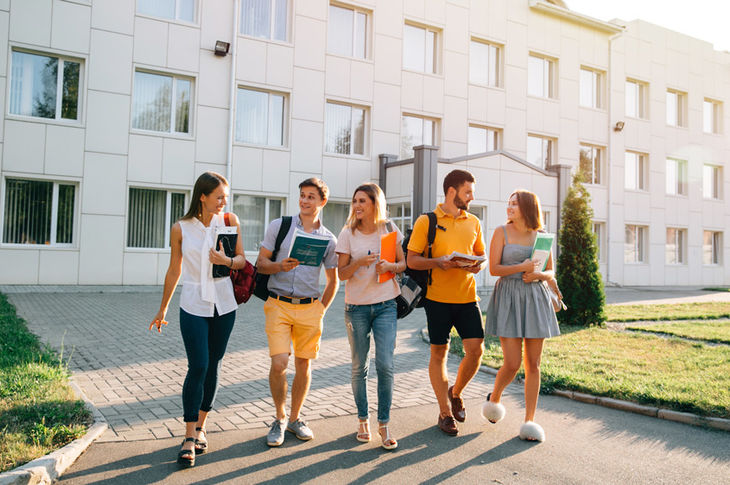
(432,222)
(391,226)
(283,231)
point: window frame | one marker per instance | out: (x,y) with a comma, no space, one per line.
(598,97)
(436,54)
(716,182)
(680,244)
(284,117)
(641,171)
(598,153)
(176,17)
(680,188)
(551,150)
(600,239)
(168,215)
(496,136)
(331,204)
(272,23)
(434,133)
(497,64)
(75,212)
(640,246)
(642,99)
(715,116)
(365,130)
(62,59)
(173,103)
(403,222)
(366,41)
(681,108)
(267,213)
(549,69)
(715,247)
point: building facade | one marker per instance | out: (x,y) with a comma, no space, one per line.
(112,108)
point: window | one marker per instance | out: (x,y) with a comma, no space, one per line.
(39,212)
(711,247)
(676,177)
(711,182)
(675,248)
(168,9)
(541,77)
(267,19)
(161,103)
(637,99)
(151,214)
(416,131)
(635,244)
(590,164)
(484,63)
(400,214)
(347,34)
(44,86)
(420,46)
(590,88)
(255,214)
(546,220)
(260,117)
(334,216)
(539,151)
(599,229)
(345,129)
(711,116)
(676,108)
(482,139)
(635,171)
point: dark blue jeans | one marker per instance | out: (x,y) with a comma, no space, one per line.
(205,341)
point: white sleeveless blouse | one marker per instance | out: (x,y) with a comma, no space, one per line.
(201,293)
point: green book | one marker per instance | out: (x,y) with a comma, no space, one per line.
(308,248)
(542,247)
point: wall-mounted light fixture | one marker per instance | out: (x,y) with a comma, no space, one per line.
(618,126)
(221,48)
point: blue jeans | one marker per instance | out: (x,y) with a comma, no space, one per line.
(380,320)
(205,340)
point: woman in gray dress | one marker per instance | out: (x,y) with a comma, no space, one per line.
(520,310)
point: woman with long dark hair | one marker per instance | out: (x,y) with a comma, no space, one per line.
(520,311)
(370,307)
(207,304)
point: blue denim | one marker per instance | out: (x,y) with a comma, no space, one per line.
(378,319)
(205,339)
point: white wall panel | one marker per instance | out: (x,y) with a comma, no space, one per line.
(24,147)
(64,151)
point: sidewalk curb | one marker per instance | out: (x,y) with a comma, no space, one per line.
(628,406)
(47,469)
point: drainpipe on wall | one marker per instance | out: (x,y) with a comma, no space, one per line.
(232,94)
(608,162)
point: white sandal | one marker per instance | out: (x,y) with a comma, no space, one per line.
(393,443)
(531,431)
(363,431)
(493,411)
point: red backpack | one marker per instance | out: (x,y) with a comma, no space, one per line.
(243,279)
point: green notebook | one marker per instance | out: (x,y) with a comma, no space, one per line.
(542,247)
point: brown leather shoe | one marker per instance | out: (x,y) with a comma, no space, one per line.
(457,406)
(448,425)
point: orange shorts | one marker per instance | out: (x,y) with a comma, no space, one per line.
(287,324)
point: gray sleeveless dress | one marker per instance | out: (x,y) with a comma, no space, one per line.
(518,309)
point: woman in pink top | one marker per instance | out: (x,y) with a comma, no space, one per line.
(370,306)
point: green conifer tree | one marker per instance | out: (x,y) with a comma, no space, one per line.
(578,273)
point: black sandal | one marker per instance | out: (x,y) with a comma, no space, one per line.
(201,446)
(186,457)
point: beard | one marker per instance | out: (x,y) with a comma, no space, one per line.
(461,203)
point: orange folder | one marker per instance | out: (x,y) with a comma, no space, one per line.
(387,252)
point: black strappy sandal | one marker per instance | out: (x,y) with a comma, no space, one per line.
(186,457)
(201,446)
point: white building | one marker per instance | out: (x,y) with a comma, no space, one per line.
(111,108)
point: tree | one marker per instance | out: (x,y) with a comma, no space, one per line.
(578,273)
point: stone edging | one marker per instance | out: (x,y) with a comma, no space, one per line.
(632,407)
(47,469)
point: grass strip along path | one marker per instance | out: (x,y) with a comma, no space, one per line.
(38,410)
(679,311)
(665,372)
(717,331)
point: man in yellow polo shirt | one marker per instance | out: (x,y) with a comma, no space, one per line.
(451,297)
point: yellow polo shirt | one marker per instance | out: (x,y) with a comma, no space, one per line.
(462,234)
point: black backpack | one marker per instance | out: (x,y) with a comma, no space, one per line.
(416,281)
(261,289)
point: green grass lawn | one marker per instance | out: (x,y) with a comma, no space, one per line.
(680,311)
(647,369)
(709,330)
(38,410)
